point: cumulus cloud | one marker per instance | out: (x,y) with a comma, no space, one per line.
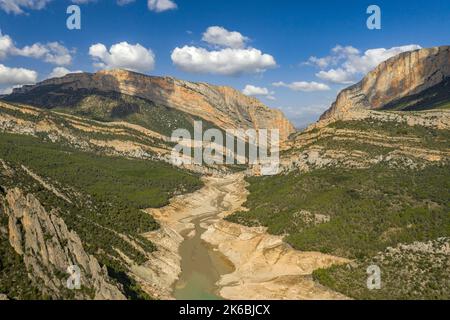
(303,86)
(153,5)
(18,6)
(230,57)
(339,75)
(347,63)
(6,45)
(221,37)
(338,53)
(227,61)
(124,56)
(251,90)
(17,76)
(161,5)
(59,72)
(52,52)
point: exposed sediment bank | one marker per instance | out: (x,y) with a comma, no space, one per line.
(266,267)
(263,266)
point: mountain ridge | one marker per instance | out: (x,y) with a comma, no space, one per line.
(223,106)
(406,74)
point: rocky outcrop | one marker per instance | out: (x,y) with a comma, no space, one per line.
(406,74)
(363,138)
(266,267)
(48,248)
(225,107)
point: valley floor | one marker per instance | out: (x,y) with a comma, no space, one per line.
(231,261)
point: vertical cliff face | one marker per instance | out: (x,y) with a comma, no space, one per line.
(407,74)
(223,106)
(48,248)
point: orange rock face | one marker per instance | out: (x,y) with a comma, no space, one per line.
(225,107)
(407,74)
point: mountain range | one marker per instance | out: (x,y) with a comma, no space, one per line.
(83,155)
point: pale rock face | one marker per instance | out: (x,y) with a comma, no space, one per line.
(403,75)
(224,106)
(48,248)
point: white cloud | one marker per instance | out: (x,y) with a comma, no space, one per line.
(339,75)
(230,57)
(319,62)
(219,36)
(251,90)
(52,52)
(161,5)
(59,72)
(17,76)
(349,63)
(6,45)
(224,62)
(373,57)
(341,51)
(338,53)
(18,6)
(303,86)
(124,56)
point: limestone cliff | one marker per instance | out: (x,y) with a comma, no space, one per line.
(405,75)
(48,248)
(223,106)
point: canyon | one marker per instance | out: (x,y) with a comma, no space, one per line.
(263,266)
(200,232)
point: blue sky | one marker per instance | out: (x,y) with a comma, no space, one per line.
(266,45)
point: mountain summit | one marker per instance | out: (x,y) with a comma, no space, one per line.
(414,80)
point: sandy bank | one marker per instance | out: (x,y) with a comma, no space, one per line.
(266,267)
(220,194)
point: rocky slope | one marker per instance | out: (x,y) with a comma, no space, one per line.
(222,106)
(398,114)
(376,166)
(363,138)
(48,248)
(53,215)
(266,267)
(113,138)
(407,74)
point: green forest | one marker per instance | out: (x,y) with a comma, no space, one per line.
(107,195)
(368,210)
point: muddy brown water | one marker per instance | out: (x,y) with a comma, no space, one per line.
(202,264)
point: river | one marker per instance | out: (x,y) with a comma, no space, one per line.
(248,263)
(201,265)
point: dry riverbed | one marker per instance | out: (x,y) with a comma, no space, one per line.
(201,256)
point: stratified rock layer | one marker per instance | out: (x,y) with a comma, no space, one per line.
(223,106)
(404,75)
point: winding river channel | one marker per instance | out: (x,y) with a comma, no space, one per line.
(201,256)
(201,264)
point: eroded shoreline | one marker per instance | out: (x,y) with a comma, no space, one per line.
(264,266)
